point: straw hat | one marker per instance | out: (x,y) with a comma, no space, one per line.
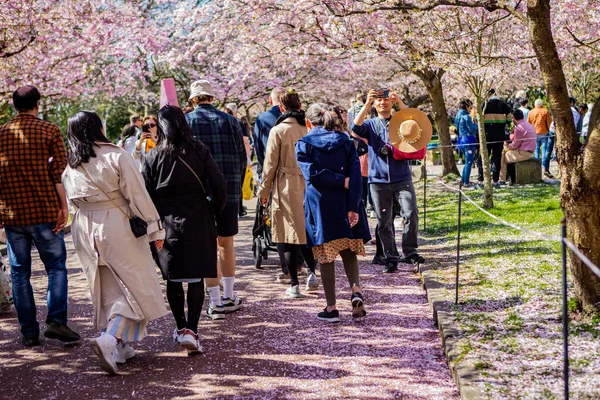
(410,130)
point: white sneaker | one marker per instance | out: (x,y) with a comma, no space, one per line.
(190,342)
(105,347)
(293,291)
(178,334)
(231,305)
(124,352)
(372,214)
(311,282)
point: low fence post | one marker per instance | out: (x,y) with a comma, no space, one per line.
(458,239)
(565,311)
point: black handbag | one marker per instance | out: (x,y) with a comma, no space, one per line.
(361,147)
(138,226)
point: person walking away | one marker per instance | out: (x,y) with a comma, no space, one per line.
(262,127)
(521,148)
(232,109)
(335,216)
(540,118)
(496,114)
(223,135)
(33,210)
(283,183)
(179,174)
(524,108)
(105,190)
(389,179)
(467,137)
(128,141)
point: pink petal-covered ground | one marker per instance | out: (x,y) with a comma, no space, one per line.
(273,348)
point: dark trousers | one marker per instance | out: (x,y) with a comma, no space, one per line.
(495,152)
(289,255)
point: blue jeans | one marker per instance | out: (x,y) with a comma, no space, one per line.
(469,153)
(543,147)
(53,253)
(550,148)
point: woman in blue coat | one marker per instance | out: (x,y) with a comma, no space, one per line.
(467,136)
(336,220)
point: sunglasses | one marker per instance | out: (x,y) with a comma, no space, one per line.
(152,125)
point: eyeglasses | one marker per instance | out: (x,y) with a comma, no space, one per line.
(152,125)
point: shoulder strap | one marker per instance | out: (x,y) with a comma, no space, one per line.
(193,172)
(103,192)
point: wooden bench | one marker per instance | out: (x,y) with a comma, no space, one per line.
(529,171)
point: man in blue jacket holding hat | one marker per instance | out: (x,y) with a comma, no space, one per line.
(390,177)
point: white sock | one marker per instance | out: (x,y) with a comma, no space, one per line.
(215,295)
(228,287)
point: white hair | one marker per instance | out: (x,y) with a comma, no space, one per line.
(276,94)
(539,103)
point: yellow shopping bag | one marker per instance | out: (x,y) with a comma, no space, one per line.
(247,188)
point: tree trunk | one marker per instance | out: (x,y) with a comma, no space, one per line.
(488,198)
(580,170)
(432,81)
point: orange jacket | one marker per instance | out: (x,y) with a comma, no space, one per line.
(540,118)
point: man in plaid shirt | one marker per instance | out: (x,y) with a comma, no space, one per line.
(223,135)
(33,209)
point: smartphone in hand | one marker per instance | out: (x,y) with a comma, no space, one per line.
(382,93)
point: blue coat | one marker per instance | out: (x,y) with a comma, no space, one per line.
(326,158)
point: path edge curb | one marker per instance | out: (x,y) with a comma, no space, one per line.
(3,250)
(464,373)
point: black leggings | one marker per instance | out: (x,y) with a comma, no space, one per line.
(288,255)
(195,300)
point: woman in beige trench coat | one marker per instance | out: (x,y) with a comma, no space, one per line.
(282,179)
(104,186)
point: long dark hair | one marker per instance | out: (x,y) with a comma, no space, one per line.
(174,133)
(128,131)
(84,129)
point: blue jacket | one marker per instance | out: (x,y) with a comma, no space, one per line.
(466,128)
(326,158)
(262,126)
(382,169)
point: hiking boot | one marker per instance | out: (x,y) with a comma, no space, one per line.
(215,312)
(30,341)
(293,292)
(124,352)
(105,347)
(358,308)
(61,332)
(390,267)
(329,316)
(231,305)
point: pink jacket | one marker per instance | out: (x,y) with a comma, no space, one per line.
(524,138)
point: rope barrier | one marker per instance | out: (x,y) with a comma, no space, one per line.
(540,235)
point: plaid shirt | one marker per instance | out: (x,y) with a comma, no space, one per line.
(32,158)
(223,135)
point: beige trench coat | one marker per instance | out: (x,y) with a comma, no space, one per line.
(282,174)
(102,236)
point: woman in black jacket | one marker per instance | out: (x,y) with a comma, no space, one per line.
(182,177)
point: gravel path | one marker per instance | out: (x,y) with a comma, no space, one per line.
(273,348)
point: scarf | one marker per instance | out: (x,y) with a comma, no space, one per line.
(297,114)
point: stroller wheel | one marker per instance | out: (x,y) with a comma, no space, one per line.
(257,252)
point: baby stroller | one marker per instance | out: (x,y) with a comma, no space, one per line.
(261,234)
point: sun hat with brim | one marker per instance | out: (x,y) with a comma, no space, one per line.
(201,88)
(410,130)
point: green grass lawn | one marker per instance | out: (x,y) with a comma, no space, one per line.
(509,297)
